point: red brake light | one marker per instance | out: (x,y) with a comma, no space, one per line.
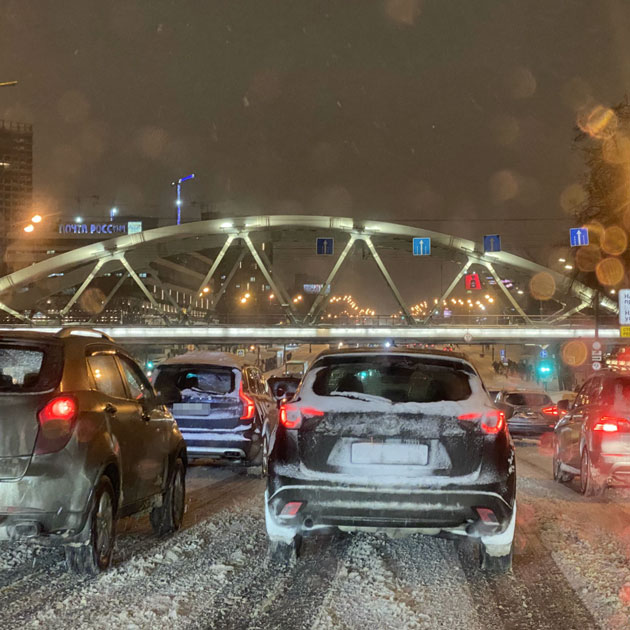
(56,423)
(291,415)
(491,422)
(552,410)
(249,407)
(608,424)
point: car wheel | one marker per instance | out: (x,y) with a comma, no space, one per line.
(285,553)
(558,474)
(168,517)
(589,486)
(96,555)
(496,565)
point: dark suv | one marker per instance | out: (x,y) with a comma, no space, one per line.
(592,439)
(397,440)
(222,404)
(85,441)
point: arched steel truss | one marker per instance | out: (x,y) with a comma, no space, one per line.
(141,254)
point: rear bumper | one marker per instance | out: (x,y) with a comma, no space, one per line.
(231,446)
(615,467)
(50,501)
(528,429)
(326,505)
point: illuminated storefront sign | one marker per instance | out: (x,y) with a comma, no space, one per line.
(109,228)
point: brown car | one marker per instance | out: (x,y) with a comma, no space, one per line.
(85,441)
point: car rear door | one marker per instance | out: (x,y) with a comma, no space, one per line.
(425,440)
(122,417)
(152,430)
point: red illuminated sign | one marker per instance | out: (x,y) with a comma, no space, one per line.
(473,282)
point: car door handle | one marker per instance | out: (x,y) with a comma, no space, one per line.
(111,409)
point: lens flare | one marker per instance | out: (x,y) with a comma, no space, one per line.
(542,286)
(574,352)
(610,271)
(595,232)
(587,258)
(615,241)
(598,122)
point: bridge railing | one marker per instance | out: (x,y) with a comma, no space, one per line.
(145,318)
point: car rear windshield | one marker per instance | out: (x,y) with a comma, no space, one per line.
(29,367)
(177,383)
(527,400)
(399,379)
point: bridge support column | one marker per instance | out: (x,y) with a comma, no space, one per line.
(390,283)
(276,286)
(217,262)
(217,298)
(451,288)
(509,296)
(143,288)
(79,292)
(318,304)
(575,309)
(112,293)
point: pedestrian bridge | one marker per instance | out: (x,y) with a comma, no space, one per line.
(168,268)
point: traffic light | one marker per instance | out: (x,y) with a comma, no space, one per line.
(149,365)
(545,369)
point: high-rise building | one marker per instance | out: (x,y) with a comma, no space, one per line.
(16,176)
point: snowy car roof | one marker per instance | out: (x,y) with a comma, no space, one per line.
(204,357)
(426,352)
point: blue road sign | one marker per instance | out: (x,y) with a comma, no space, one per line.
(543,354)
(578,237)
(491,243)
(421,246)
(325,246)
(502,353)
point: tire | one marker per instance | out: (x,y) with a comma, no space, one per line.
(167,518)
(96,555)
(558,474)
(496,565)
(589,486)
(285,553)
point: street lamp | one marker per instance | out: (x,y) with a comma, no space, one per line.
(178,202)
(8,83)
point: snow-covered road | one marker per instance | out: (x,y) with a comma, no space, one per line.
(570,570)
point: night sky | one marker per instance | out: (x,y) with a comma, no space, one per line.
(390,109)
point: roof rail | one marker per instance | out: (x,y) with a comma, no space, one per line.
(79,331)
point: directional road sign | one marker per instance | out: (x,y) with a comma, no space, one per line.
(544,354)
(325,246)
(578,237)
(491,243)
(624,307)
(421,246)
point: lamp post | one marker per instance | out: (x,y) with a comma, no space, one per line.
(178,202)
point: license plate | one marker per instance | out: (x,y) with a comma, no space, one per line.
(392,454)
(192,409)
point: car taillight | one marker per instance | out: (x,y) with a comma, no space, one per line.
(552,410)
(291,415)
(249,407)
(491,421)
(608,424)
(56,423)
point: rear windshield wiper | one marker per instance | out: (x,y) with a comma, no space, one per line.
(360,396)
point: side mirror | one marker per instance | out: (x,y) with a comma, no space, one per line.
(564,405)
